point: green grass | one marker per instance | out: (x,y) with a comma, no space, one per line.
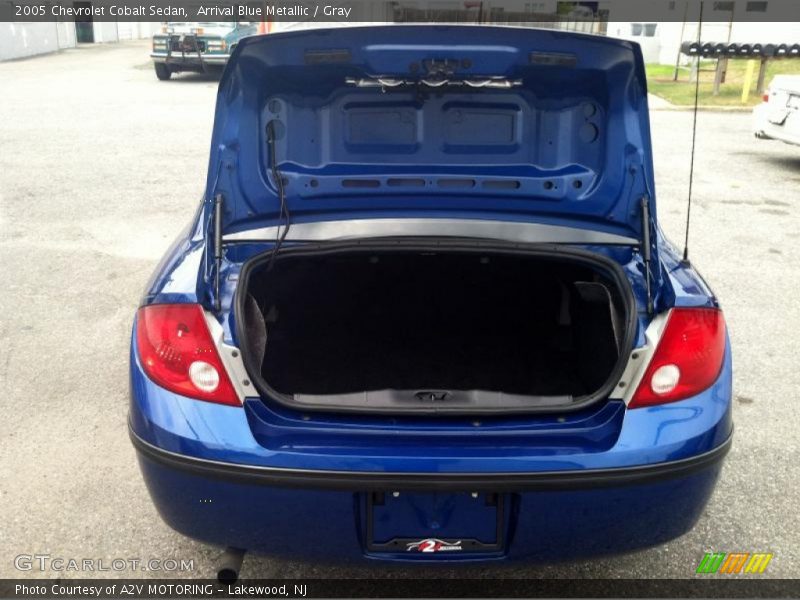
(681,92)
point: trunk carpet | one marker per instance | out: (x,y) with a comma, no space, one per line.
(419,322)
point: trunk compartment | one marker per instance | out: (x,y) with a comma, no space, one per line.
(431,327)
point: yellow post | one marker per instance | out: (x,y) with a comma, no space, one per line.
(748,80)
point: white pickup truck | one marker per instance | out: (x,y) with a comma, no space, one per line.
(778,116)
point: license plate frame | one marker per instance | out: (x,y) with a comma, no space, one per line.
(429,542)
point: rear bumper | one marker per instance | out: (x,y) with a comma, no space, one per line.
(788,131)
(302,516)
(363,481)
(290,487)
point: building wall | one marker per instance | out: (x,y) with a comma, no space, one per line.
(137,30)
(105,32)
(647,35)
(18,40)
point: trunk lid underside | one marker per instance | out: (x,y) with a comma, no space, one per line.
(420,121)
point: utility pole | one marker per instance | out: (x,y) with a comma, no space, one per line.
(762,73)
(722,63)
(683,30)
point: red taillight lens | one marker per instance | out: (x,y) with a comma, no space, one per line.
(765,97)
(177,352)
(688,358)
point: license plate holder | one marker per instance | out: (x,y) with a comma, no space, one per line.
(435,523)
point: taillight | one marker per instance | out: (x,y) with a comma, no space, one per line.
(687,360)
(177,352)
(765,97)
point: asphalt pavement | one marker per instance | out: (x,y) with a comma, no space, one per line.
(101,166)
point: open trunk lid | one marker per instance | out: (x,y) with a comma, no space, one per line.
(478,123)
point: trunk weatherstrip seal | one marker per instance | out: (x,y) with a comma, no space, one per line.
(487,230)
(471,482)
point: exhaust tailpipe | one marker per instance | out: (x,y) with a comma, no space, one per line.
(230,565)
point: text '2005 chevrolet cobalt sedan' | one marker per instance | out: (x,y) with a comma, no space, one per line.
(425,311)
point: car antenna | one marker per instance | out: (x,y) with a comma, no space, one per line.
(278,177)
(685,260)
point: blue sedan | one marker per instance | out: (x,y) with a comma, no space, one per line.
(425,311)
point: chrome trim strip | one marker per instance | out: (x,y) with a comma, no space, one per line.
(639,360)
(231,358)
(212,58)
(511,231)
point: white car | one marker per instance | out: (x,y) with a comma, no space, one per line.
(778,116)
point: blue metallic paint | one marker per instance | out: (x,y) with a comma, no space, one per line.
(328,526)
(216,432)
(317,124)
(265,519)
(323,524)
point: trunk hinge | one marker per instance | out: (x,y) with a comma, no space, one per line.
(217,223)
(647,251)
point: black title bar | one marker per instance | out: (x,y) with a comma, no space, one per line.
(702,587)
(390,11)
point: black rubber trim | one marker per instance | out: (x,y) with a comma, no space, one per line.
(426,244)
(362,481)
